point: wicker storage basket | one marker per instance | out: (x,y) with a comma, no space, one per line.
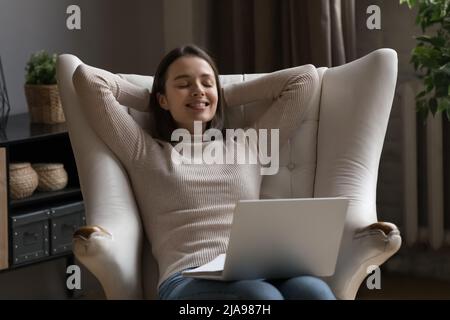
(44,104)
(23,180)
(52,176)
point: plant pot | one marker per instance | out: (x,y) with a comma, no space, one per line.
(23,180)
(44,104)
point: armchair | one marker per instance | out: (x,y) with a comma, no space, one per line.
(335,152)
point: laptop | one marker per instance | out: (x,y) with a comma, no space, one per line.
(280,238)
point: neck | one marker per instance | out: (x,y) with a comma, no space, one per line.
(197,128)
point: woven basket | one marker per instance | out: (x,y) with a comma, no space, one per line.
(23,180)
(44,104)
(52,176)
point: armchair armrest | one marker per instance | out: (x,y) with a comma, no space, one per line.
(387,229)
(86,232)
(111,247)
(372,246)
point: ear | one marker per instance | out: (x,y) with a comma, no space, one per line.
(162,101)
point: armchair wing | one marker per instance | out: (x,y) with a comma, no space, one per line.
(110,247)
(355,106)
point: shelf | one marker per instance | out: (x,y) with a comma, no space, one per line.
(20,129)
(23,141)
(46,196)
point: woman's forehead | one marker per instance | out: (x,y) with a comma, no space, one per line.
(190,67)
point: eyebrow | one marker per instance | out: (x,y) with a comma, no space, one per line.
(188,76)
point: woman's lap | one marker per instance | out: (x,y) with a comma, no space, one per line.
(303,287)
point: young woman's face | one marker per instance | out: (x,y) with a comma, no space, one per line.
(191,92)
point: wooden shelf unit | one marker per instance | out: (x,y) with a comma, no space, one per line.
(23,141)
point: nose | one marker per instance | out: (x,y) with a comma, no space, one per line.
(198,92)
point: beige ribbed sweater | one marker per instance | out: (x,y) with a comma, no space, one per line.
(187,209)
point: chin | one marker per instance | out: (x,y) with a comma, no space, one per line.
(202,118)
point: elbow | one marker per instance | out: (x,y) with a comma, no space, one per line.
(90,80)
(310,74)
(313,77)
(305,77)
(313,72)
(79,77)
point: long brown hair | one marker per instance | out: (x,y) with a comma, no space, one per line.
(164,122)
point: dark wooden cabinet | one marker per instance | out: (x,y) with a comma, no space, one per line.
(38,227)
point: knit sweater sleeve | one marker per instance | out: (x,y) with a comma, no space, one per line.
(102,97)
(290,90)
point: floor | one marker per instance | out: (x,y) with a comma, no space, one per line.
(401,287)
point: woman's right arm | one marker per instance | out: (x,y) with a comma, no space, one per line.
(102,96)
(290,92)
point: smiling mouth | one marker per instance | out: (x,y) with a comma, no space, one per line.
(198,105)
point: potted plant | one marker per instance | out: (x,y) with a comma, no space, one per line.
(41,89)
(431,56)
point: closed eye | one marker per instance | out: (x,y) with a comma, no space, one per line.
(207,85)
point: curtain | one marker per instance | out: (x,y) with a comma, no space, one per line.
(264,35)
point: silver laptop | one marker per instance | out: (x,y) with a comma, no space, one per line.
(280,238)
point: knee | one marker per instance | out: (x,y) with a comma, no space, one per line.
(256,290)
(307,288)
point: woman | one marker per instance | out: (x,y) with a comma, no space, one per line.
(187,208)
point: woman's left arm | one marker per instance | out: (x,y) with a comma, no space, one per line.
(291,91)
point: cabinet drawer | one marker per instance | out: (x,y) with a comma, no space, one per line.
(64,220)
(30,236)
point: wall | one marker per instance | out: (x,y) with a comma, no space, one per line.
(125,37)
(397,32)
(187,21)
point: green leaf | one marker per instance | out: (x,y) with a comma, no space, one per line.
(424,38)
(431,56)
(410,3)
(445,69)
(428,81)
(443,104)
(438,41)
(421,94)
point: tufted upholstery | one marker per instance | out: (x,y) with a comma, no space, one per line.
(335,152)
